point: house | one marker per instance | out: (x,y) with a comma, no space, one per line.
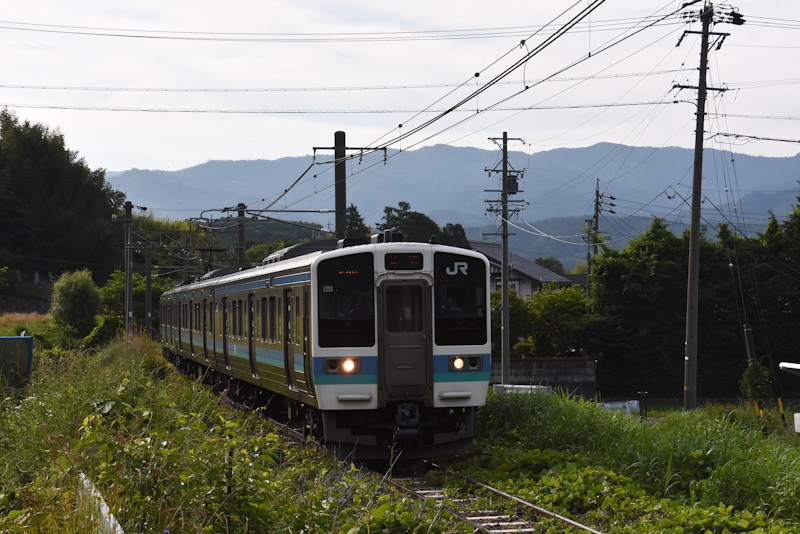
(525,276)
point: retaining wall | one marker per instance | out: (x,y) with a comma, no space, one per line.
(575,376)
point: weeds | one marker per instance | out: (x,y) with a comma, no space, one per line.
(684,466)
(166,454)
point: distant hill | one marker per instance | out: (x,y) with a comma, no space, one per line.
(449,185)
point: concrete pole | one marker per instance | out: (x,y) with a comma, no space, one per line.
(693,286)
(340,184)
(505,331)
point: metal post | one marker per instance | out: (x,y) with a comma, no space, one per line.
(505,331)
(340,184)
(693,287)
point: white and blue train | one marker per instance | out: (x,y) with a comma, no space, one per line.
(378,346)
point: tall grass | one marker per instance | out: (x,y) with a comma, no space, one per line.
(712,455)
(167,454)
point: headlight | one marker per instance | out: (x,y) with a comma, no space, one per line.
(465,363)
(346,366)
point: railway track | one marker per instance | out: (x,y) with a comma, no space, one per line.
(505,514)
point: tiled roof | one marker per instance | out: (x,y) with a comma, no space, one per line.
(519,264)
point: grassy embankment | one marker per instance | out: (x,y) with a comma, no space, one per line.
(710,470)
(168,455)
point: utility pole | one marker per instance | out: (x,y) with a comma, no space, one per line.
(148,299)
(240,230)
(509,187)
(128,270)
(693,285)
(340,149)
(340,184)
(593,224)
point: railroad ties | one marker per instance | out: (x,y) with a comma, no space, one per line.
(482,520)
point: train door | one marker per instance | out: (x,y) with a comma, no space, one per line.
(288,338)
(307,343)
(180,305)
(405,347)
(212,334)
(251,332)
(225,327)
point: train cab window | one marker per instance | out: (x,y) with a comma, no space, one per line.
(459,299)
(346,301)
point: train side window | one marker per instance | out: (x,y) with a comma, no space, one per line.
(279,323)
(297,332)
(272,320)
(233,319)
(263,319)
(240,311)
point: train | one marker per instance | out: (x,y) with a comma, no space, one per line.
(378,346)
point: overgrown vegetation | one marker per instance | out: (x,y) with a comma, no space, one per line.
(168,455)
(711,470)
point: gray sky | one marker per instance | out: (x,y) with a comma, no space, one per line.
(168,85)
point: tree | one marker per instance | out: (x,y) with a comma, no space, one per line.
(519,321)
(257,253)
(76,302)
(580,268)
(454,234)
(355,223)
(417,226)
(558,321)
(639,306)
(550,262)
(112,297)
(56,211)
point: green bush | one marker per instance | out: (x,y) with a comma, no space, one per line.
(76,302)
(107,329)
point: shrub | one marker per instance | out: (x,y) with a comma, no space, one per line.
(76,301)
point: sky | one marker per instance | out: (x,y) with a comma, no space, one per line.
(168,85)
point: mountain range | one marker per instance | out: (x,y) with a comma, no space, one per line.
(558,189)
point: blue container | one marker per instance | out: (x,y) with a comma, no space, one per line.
(16,360)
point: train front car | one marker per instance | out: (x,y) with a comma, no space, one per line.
(401,353)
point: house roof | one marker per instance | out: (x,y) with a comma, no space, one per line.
(524,267)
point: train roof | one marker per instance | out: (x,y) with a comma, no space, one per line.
(300,256)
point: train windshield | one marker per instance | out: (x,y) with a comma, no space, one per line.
(460,299)
(346,309)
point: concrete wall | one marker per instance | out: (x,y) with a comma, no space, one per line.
(573,375)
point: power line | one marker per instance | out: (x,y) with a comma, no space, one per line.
(319,89)
(321,111)
(322,37)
